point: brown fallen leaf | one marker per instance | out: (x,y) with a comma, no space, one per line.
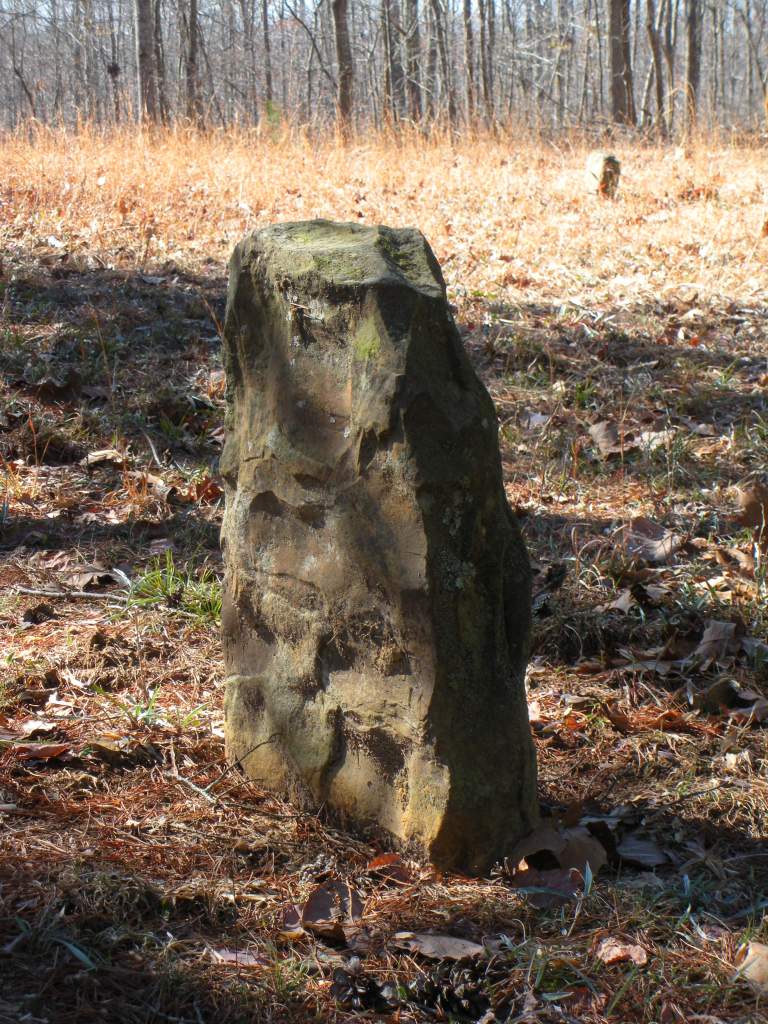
(610,440)
(722,695)
(582,849)
(437,947)
(550,887)
(159,546)
(753,967)
(108,455)
(623,603)
(292,928)
(648,541)
(330,908)
(50,388)
(531,420)
(753,505)
(612,951)
(669,721)
(572,848)
(545,837)
(88,577)
(36,727)
(40,751)
(737,560)
(637,849)
(716,642)
(619,720)
(205,491)
(757,712)
(160,488)
(389,866)
(240,957)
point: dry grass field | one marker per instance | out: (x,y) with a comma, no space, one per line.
(625,344)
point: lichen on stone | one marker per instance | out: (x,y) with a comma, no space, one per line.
(366,343)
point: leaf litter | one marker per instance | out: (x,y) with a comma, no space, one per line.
(643,550)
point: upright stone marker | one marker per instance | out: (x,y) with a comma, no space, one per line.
(377,606)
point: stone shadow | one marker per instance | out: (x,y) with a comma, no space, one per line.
(85,941)
(91,357)
(714,376)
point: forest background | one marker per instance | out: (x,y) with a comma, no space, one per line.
(625,345)
(662,65)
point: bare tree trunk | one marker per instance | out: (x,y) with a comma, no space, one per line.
(469,60)
(557,61)
(669,45)
(145,61)
(445,67)
(214,99)
(413,58)
(78,84)
(587,76)
(193,97)
(653,26)
(394,80)
(248,18)
(622,92)
(113,68)
(162,91)
(344,59)
(429,85)
(269,94)
(693,63)
(600,61)
(18,71)
(629,84)
(561,63)
(90,73)
(755,63)
(486,58)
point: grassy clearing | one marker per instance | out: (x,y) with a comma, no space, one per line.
(144,881)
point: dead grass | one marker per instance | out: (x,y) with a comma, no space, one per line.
(135,852)
(505,219)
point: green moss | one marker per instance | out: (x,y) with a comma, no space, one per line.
(366,343)
(401,253)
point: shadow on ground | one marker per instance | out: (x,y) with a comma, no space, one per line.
(89,930)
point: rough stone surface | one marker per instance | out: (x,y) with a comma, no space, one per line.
(377,603)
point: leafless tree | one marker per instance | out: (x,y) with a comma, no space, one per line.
(146,70)
(344,61)
(693,62)
(556,64)
(622,91)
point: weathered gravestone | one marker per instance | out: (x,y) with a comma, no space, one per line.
(377,607)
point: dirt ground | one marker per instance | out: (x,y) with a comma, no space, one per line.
(625,344)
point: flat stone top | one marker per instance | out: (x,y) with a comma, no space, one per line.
(349,254)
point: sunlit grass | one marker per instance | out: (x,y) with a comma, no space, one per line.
(508,216)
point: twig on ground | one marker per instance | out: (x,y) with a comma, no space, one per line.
(192,785)
(67,593)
